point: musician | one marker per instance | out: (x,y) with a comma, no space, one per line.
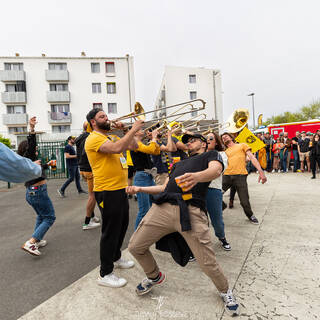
(236,173)
(190,221)
(145,171)
(161,161)
(110,173)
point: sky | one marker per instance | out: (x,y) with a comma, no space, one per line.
(271,48)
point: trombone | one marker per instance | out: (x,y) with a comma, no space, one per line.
(139,112)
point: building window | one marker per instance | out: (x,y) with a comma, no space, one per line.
(20,86)
(95,67)
(59,129)
(16,109)
(97,105)
(13,66)
(57,66)
(96,88)
(110,67)
(58,87)
(17,129)
(193,95)
(194,113)
(112,108)
(64,108)
(192,78)
(111,87)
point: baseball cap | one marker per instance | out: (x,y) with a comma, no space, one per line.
(71,137)
(303,132)
(187,136)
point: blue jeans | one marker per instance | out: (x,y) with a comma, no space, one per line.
(73,175)
(284,160)
(41,203)
(142,179)
(296,160)
(214,207)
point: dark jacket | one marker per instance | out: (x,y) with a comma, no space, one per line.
(315,149)
(83,161)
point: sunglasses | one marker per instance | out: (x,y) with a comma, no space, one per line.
(211,138)
(192,140)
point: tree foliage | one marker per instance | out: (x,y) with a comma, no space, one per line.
(308,112)
(5,141)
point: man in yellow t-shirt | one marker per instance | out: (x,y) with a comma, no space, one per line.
(236,173)
(110,171)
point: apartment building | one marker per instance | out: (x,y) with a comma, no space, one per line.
(60,91)
(181,84)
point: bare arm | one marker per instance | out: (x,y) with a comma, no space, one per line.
(181,146)
(170,146)
(123,143)
(190,179)
(133,144)
(256,163)
(149,190)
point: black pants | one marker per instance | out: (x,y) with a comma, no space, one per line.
(239,181)
(313,161)
(233,192)
(115,219)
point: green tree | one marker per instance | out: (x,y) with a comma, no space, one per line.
(308,112)
(5,141)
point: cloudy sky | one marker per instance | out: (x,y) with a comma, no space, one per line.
(271,48)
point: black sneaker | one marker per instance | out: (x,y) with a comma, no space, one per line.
(254,220)
(192,259)
(225,245)
(230,204)
(82,191)
(61,193)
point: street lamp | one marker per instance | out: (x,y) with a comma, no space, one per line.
(253,118)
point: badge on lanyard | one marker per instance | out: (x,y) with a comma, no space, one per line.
(123,162)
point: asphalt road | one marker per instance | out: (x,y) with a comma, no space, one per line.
(27,281)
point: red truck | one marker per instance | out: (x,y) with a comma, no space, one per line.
(293,127)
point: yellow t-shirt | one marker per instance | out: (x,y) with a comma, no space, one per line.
(129,159)
(107,170)
(237,159)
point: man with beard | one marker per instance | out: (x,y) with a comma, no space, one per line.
(236,173)
(110,171)
(179,207)
(72,167)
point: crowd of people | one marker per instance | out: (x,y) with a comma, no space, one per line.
(300,153)
(179,179)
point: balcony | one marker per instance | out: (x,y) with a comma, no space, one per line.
(12,75)
(58,96)
(15,119)
(59,117)
(57,75)
(14,97)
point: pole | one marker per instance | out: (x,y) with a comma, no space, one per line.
(253,114)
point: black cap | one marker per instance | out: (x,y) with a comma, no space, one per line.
(71,137)
(92,113)
(187,136)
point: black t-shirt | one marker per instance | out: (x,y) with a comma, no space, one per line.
(295,146)
(70,162)
(141,160)
(195,163)
(304,145)
(160,161)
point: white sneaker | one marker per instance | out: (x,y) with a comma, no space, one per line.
(111,280)
(90,225)
(31,248)
(95,219)
(273,171)
(42,243)
(123,264)
(230,303)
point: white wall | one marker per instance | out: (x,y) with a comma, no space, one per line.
(207,86)
(80,88)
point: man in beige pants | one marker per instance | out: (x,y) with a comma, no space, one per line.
(182,209)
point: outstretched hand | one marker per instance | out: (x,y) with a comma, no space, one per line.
(188,180)
(132,189)
(262,178)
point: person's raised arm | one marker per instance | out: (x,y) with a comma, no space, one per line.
(170,146)
(256,164)
(123,143)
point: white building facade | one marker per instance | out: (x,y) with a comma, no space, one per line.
(60,91)
(181,84)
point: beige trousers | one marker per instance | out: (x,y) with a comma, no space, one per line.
(164,219)
(161,178)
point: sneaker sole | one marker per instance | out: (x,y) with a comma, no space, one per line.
(141,293)
(89,228)
(103,284)
(229,249)
(60,194)
(30,252)
(119,267)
